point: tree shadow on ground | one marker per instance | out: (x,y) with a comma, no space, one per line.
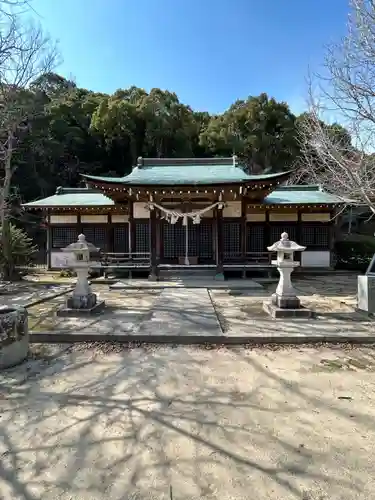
(213,425)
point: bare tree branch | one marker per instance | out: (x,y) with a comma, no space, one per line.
(345,90)
(26,53)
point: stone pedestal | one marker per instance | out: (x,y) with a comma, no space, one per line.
(278,312)
(285,302)
(75,308)
(219,277)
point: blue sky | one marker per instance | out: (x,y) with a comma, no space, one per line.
(210,52)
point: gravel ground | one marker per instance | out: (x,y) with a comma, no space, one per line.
(105,423)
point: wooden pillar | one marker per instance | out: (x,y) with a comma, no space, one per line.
(131,248)
(219,245)
(79,224)
(243,235)
(298,255)
(267,233)
(332,238)
(110,234)
(49,241)
(243,229)
(153,240)
(158,237)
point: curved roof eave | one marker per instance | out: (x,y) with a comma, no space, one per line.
(106,180)
(247,178)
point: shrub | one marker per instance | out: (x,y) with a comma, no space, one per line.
(22,248)
(67,273)
(354,255)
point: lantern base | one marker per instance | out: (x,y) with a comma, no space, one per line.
(82,305)
(285,302)
(282,313)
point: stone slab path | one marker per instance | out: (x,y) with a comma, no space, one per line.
(182,312)
(188,316)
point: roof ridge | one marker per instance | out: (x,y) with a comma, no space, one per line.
(171,162)
(77,190)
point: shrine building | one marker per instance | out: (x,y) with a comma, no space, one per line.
(196,212)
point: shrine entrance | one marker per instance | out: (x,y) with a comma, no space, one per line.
(199,244)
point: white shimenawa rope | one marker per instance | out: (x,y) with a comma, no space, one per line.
(172,216)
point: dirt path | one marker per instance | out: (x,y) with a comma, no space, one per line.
(213,424)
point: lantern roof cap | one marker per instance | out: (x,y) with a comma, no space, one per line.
(81,245)
(286,245)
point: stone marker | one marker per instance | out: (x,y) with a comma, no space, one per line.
(14,335)
(366,289)
(366,293)
(83,300)
(285,303)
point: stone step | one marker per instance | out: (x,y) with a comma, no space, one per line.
(196,274)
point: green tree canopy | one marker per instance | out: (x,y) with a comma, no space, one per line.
(259,129)
(77,130)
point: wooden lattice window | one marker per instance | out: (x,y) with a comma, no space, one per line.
(174,240)
(232,238)
(193,239)
(142,237)
(205,250)
(169,240)
(179,239)
(63,236)
(255,238)
(315,235)
(97,235)
(277,230)
(121,238)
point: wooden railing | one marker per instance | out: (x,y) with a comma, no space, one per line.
(247,258)
(125,259)
(143,258)
(141,261)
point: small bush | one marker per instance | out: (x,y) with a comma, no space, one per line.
(354,255)
(67,273)
(21,246)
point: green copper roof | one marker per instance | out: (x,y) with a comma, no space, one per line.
(185,171)
(84,197)
(185,175)
(299,195)
(70,197)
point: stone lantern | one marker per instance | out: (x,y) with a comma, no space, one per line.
(285,303)
(82,300)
